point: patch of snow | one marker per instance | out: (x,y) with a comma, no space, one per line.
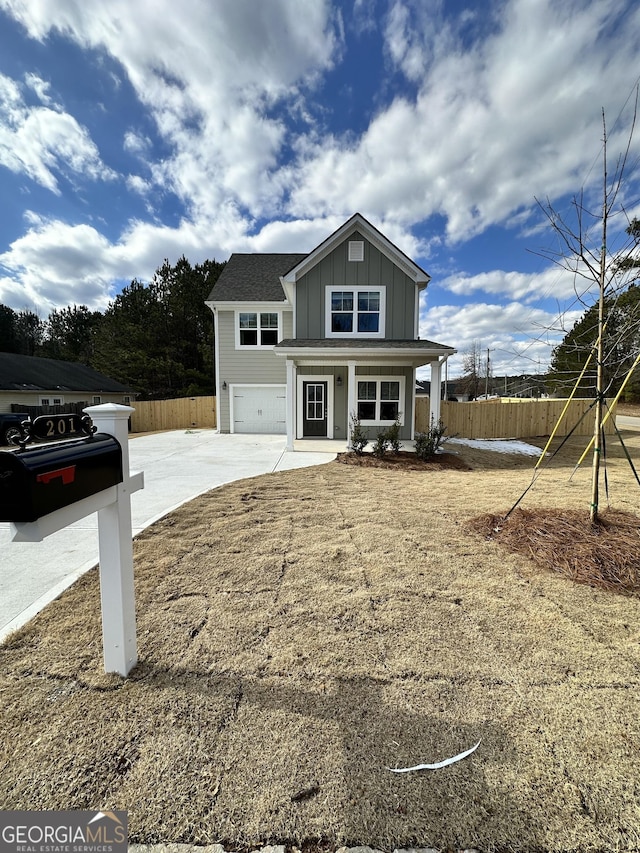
(498,445)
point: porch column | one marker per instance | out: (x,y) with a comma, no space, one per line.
(291,402)
(352,397)
(434,396)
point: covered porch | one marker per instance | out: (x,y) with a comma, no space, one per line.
(332,382)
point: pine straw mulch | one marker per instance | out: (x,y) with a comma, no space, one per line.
(302,632)
(605,554)
(404,460)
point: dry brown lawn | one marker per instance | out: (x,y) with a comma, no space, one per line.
(302,632)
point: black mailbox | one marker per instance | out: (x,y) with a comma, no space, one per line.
(38,481)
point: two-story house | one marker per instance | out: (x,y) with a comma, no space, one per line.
(306,342)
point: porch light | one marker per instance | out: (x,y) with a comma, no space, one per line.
(339,381)
(224,385)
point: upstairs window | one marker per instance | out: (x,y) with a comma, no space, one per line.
(355,312)
(342,311)
(257,328)
(369,311)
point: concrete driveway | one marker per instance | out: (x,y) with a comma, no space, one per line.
(178,466)
(627,422)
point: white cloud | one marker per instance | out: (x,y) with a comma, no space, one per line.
(364,16)
(494,123)
(209,80)
(40,87)
(520,337)
(552,283)
(136,143)
(44,143)
(55,264)
(498,110)
(138,185)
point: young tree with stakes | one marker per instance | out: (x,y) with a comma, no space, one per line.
(599,266)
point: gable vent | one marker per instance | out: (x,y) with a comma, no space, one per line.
(356,250)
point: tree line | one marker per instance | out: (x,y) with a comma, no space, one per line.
(156,338)
(621,345)
(571,362)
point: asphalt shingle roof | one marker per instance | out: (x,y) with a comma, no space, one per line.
(28,373)
(254,278)
(361,343)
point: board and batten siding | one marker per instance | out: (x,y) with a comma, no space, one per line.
(335,270)
(246,366)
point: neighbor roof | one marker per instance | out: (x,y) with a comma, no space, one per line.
(29,373)
(253,278)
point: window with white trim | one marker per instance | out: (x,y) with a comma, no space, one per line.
(51,401)
(379,399)
(257,328)
(355,312)
(96,401)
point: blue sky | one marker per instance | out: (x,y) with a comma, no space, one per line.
(135,132)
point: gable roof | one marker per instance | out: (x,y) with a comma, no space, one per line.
(253,278)
(358,223)
(29,373)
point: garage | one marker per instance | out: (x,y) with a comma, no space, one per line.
(259,409)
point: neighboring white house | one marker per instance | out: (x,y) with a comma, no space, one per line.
(305,342)
(30,381)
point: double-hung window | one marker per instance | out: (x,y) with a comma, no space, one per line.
(355,312)
(257,328)
(379,399)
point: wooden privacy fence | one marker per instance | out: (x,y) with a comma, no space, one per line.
(522,419)
(182,413)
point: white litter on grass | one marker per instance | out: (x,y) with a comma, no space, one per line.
(438,764)
(498,445)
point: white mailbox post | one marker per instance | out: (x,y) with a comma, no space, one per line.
(113,506)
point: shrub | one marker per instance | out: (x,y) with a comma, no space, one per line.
(381,445)
(428,443)
(393,436)
(357,438)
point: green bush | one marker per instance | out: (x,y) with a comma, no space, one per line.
(428,443)
(381,445)
(393,436)
(357,438)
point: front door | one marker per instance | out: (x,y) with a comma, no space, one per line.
(315,409)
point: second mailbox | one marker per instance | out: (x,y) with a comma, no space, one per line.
(38,481)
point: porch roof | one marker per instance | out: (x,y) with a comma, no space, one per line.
(361,347)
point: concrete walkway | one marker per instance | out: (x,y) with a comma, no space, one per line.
(178,466)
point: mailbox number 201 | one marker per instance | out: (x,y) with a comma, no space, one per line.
(51,427)
(61,426)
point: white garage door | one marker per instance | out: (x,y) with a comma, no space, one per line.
(259,409)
